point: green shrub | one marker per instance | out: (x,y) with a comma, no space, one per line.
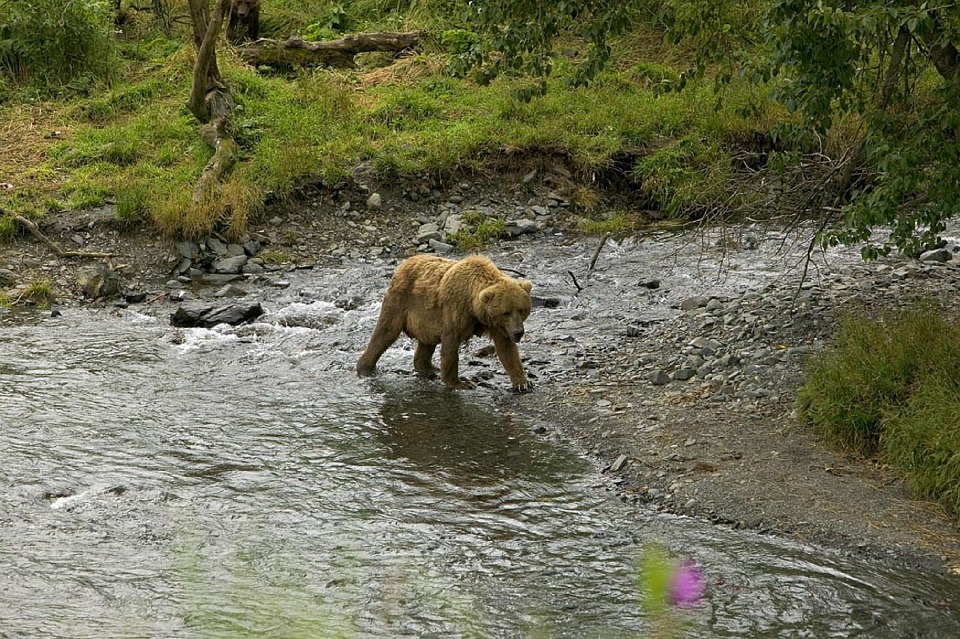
(53,43)
(891,385)
(924,440)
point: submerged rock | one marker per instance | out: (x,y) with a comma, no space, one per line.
(207,314)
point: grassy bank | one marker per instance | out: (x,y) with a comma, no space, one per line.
(891,387)
(128,138)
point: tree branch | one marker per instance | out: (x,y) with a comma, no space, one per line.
(35,231)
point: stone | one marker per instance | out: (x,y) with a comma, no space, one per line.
(206,314)
(658,378)
(692,303)
(936,255)
(188,250)
(7,277)
(441,247)
(684,374)
(428,232)
(230,265)
(252,268)
(452,225)
(98,281)
(374,202)
(515,228)
(618,463)
(216,245)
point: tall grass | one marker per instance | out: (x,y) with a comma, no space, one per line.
(891,386)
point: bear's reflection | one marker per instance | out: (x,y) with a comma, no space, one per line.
(466,436)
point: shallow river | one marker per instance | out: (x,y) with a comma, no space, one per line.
(157,482)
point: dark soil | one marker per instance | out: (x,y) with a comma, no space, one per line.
(681,448)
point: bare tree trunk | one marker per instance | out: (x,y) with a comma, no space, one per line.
(210,99)
(334,53)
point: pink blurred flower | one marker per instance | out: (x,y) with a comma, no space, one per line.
(687,586)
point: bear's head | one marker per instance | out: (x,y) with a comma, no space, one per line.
(505,305)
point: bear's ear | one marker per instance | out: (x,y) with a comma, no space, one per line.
(487,295)
(525,285)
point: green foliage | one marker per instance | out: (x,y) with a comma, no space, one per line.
(685,176)
(479,230)
(618,224)
(460,41)
(132,204)
(853,391)
(38,292)
(924,440)
(823,60)
(890,386)
(52,43)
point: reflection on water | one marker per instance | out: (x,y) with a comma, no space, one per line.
(245,483)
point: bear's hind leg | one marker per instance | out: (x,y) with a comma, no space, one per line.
(388,329)
(423,359)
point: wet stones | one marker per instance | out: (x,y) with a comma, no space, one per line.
(207,314)
(98,281)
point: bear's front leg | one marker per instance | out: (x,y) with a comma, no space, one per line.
(509,356)
(450,362)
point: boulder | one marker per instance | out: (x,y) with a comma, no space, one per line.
(98,281)
(207,314)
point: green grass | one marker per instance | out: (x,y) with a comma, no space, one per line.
(133,141)
(891,387)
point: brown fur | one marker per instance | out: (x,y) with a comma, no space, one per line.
(244,20)
(444,302)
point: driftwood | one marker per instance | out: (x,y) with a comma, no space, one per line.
(210,99)
(35,231)
(294,52)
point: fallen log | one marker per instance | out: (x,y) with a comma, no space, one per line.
(294,52)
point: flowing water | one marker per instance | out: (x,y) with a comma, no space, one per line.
(242,482)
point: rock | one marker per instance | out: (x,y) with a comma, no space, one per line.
(230,265)
(217,246)
(544,302)
(936,255)
(230,290)
(658,378)
(693,302)
(441,247)
(206,314)
(520,227)
(428,232)
(252,268)
(684,374)
(188,250)
(452,225)
(7,277)
(618,463)
(374,201)
(98,281)
(651,284)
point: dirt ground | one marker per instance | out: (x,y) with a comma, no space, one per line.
(751,466)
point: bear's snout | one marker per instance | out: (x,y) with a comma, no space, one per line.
(518,335)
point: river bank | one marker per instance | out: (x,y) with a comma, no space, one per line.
(671,360)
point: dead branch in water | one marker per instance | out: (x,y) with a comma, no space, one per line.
(596,254)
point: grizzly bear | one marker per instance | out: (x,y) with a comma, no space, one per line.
(244,20)
(438,301)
